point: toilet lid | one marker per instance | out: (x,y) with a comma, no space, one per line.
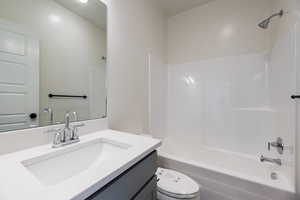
(173,183)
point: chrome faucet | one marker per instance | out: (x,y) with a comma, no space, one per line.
(68,134)
(271,160)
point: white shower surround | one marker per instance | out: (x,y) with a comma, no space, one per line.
(223,111)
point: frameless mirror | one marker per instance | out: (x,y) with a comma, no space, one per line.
(52,61)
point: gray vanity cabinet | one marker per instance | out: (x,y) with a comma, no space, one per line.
(148,192)
(137,183)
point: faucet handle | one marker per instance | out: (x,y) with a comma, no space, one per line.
(57,139)
(75,130)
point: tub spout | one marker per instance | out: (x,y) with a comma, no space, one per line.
(271,160)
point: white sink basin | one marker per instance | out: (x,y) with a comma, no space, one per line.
(58,166)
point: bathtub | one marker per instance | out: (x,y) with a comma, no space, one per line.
(230,176)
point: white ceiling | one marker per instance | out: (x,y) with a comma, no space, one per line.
(173,7)
(94,11)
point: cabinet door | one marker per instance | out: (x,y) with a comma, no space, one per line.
(127,185)
(148,192)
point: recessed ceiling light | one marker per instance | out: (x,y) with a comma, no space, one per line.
(83,1)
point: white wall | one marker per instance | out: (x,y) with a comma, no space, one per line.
(283,80)
(135,30)
(157,107)
(218,29)
(298,117)
(292,23)
(298,109)
(70,49)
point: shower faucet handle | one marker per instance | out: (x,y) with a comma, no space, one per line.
(278,144)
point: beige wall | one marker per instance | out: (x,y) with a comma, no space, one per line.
(135,29)
(70,51)
(218,29)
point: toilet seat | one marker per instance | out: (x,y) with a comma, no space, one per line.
(176,185)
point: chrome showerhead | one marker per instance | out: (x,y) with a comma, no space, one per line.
(265,24)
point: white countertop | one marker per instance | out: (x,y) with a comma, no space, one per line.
(17,183)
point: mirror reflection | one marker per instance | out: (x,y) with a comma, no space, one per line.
(52,61)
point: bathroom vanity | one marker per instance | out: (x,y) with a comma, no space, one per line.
(105,165)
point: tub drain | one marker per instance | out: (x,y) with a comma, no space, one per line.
(274,176)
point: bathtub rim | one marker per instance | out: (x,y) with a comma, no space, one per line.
(289,188)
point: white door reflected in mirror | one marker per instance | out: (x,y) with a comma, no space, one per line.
(19,78)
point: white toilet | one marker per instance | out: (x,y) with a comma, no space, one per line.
(173,185)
